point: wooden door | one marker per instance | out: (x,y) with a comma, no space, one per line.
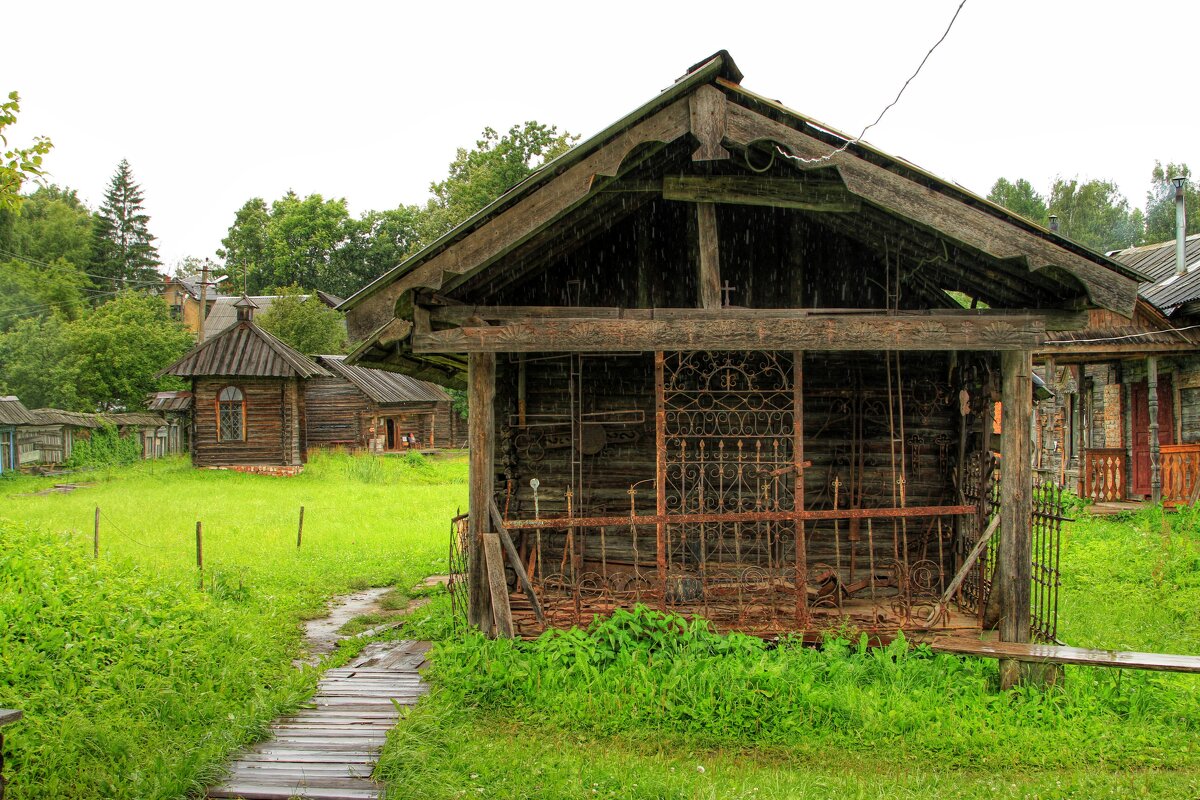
(1139,397)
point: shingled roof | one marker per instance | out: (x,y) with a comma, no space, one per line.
(169,401)
(12,412)
(1166,290)
(385,387)
(244,351)
(56,416)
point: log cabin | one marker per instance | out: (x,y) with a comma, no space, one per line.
(13,417)
(51,439)
(1124,423)
(718,362)
(248,398)
(380,412)
(176,407)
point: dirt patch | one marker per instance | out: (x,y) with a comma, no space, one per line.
(321,635)
(59,488)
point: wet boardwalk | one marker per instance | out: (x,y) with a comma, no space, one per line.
(328,749)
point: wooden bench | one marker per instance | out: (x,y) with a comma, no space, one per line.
(1059,654)
(7,715)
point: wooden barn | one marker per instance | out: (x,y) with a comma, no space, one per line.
(176,408)
(1124,422)
(51,438)
(248,398)
(382,412)
(13,418)
(718,361)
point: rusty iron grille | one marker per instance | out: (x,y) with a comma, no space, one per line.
(457,585)
(981,488)
(730,445)
(1048,516)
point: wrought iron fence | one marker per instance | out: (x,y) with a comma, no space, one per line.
(458,566)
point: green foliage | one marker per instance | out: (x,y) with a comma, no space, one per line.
(1160,203)
(35,290)
(244,248)
(495,165)
(17,164)
(123,250)
(105,359)
(304,322)
(105,448)
(1021,198)
(1092,213)
(51,224)
(458,401)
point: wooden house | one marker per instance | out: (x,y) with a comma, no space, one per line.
(148,428)
(176,408)
(714,365)
(1124,423)
(13,417)
(247,398)
(183,298)
(51,438)
(382,412)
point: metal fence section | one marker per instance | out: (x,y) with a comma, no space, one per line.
(1048,516)
(457,585)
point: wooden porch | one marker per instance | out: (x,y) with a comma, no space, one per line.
(1106,478)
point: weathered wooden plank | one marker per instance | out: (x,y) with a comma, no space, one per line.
(967,565)
(481,393)
(706,115)
(284,792)
(1014,565)
(761,191)
(833,332)
(514,559)
(948,215)
(708,254)
(497,584)
(1082,656)
(8,715)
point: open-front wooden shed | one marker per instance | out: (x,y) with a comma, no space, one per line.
(723,362)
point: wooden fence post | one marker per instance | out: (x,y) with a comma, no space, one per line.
(96,535)
(300,530)
(1016,505)
(200,552)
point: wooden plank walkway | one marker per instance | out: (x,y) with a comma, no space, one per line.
(1058,654)
(327,750)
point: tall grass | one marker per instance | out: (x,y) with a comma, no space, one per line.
(136,684)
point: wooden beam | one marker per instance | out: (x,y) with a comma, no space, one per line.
(749,190)
(706,115)
(949,215)
(1014,568)
(497,586)
(817,332)
(481,428)
(1152,408)
(514,558)
(708,252)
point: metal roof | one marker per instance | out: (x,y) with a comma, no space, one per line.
(74,419)
(223,314)
(169,401)
(141,419)
(385,387)
(1165,289)
(12,412)
(245,351)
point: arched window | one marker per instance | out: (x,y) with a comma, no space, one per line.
(231,415)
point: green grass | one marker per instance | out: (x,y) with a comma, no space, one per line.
(134,683)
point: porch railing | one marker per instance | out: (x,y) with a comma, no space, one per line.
(1104,474)
(1180,465)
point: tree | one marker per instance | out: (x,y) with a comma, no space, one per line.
(51,224)
(1020,198)
(479,176)
(302,236)
(123,250)
(244,248)
(1095,214)
(301,320)
(17,164)
(1160,203)
(40,290)
(36,365)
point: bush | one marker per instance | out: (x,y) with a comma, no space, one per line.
(105,448)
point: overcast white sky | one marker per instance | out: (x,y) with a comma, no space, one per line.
(216,102)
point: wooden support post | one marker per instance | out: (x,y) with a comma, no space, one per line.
(497,586)
(515,559)
(708,267)
(1152,407)
(481,390)
(300,528)
(1016,506)
(200,551)
(96,535)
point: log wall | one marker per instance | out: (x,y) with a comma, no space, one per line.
(273,423)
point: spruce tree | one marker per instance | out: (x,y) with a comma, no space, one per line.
(123,250)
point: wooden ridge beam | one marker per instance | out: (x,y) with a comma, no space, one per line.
(760,191)
(823,332)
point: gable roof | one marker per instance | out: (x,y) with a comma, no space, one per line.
(244,351)
(140,419)
(169,401)
(223,314)
(12,412)
(74,419)
(385,387)
(890,184)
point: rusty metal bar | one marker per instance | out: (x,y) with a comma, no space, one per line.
(798,491)
(660,472)
(746,516)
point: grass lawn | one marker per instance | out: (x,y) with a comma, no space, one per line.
(134,683)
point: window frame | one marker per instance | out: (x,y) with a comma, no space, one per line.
(241,400)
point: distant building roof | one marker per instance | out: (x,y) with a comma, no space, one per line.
(246,351)
(385,387)
(1165,290)
(169,401)
(223,312)
(12,412)
(141,419)
(74,419)
(192,287)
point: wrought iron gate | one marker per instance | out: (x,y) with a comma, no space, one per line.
(728,448)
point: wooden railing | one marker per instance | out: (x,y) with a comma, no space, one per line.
(1104,474)
(1180,465)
